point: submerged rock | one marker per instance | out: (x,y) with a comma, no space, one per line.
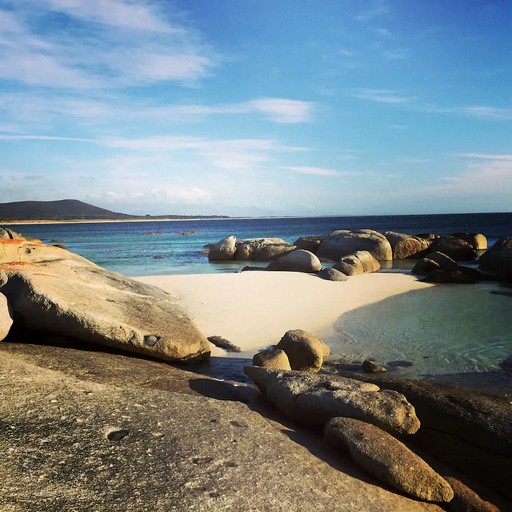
(315,399)
(372,367)
(387,459)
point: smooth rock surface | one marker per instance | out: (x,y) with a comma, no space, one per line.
(5,317)
(262,249)
(350,266)
(476,240)
(305,351)
(315,399)
(406,246)
(455,248)
(387,459)
(332,274)
(272,358)
(309,243)
(94,432)
(223,250)
(342,242)
(75,298)
(298,260)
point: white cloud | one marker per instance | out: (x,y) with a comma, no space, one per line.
(413,160)
(486,112)
(382,96)
(486,156)
(378,9)
(117,13)
(319,171)
(283,110)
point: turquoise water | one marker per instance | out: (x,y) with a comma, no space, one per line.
(131,247)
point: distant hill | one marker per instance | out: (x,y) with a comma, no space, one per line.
(66,209)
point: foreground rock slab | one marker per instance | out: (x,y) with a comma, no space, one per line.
(129,437)
(315,399)
(388,459)
(75,298)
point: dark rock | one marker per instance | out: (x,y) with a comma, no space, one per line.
(332,274)
(466,500)
(371,367)
(428,236)
(506,364)
(498,259)
(223,250)
(314,399)
(400,364)
(305,351)
(462,275)
(272,358)
(387,459)
(158,257)
(251,268)
(455,248)
(341,243)
(476,240)
(223,343)
(434,261)
(309,243)
(298,260)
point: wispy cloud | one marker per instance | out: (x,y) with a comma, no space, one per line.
(486,156)
(413,160)
(376,10)
(382,96)
(486,112)
(319,171)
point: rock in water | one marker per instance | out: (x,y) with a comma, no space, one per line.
(305,351)
(406,246)
(5,316)
(273,358)
(387,459)
(223,250)
(342,242)
(77,299)
(372,367)
(315,399)
(262,249)
(455,248)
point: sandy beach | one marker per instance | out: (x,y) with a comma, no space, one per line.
(254,309)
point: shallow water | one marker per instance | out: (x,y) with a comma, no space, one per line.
(444,329)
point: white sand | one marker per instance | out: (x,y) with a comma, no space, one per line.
(254,309)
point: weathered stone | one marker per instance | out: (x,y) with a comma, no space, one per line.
(272,358)
(332,274)
(406,246)
(305,351)
(466,500)
(370,264)
(223,343)
(298,260)
(434,261)
(5,317)
(387,459)
(340,243)
(314,399)
(455,248)
(309,243)
(9,234)
(350,266)
(372,367)
(75,298)
(262,249)
(184,452)
(498,259)
(223,250)
(462,275)
(476,240)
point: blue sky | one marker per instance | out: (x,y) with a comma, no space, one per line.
(258,107)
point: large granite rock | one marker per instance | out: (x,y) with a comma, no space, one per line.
(223,250)
(305,351)
(343,242)
(455,248)
(54,291)
(309,243)
(476,240)
(498,259)
(370,264)
(461,275)
(467,429)
(406,246)
(87,431)
(298,260)
(387,459)
(350,266)
(315,399)
(434,261)
(5,316)
(466,500)
(262,249)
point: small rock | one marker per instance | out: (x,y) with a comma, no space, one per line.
(272,358)
(331,274)
(387,459)
(466,500)
(158,257)
(223,343)
(371,367)
(117,435)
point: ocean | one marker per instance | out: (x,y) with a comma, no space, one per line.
(464,333)
(158,248)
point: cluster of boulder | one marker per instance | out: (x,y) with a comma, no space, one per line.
(50,290)
(361,251)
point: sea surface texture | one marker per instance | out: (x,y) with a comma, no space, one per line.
(451,330)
